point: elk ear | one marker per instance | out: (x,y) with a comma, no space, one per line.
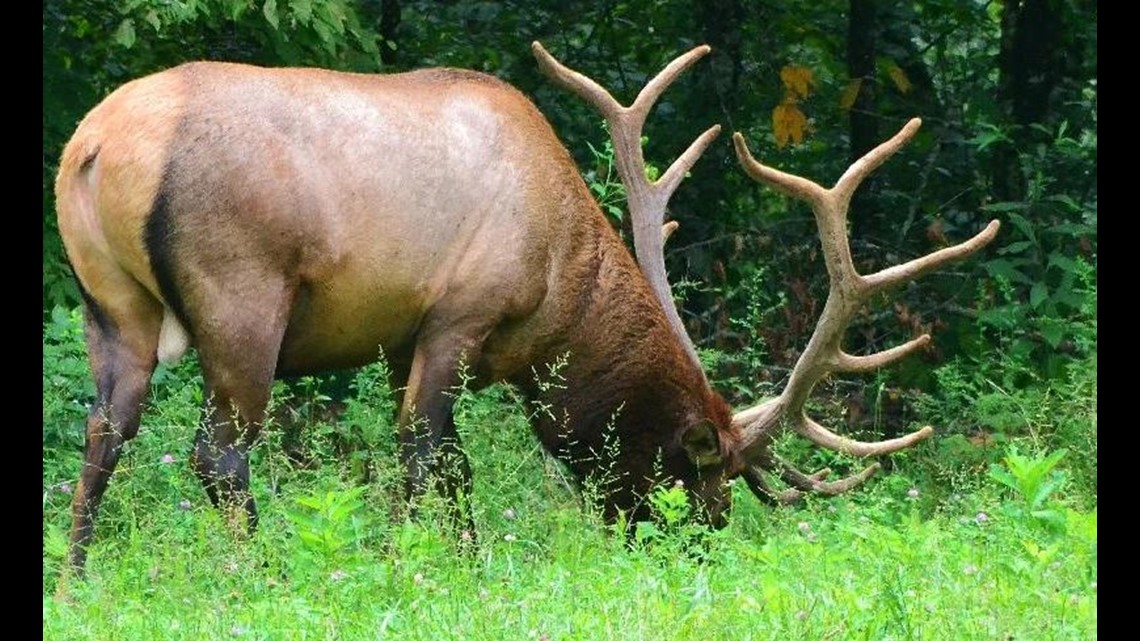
(702,444)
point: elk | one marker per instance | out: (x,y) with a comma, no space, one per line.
(292,221)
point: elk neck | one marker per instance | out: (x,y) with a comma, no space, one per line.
(623,386)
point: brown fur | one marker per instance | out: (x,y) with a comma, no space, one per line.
(298,220)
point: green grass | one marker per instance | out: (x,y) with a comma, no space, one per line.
(330,561)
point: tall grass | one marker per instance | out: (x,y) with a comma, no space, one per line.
(905,558)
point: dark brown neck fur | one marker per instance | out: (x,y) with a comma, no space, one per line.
(627,387)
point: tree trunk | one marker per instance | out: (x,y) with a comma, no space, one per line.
(707,195)
(717,83)
(1030,66)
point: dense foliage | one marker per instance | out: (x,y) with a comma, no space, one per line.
(1008,134)
(1008,95)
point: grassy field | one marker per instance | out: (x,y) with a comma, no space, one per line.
(935,549)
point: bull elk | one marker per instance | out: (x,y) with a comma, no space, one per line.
(293,221)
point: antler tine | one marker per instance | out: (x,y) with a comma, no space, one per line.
(859,170)
(872,362)
(848,291)
(647,200)
(589,90)
(673,176)
(647,204)
(911,270)
(626,122)
(654,88)
(802,484)
(830,216)
(814,483)
(754,477)
(787,184)
(824,437)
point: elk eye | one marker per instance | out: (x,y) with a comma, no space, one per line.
(702,444)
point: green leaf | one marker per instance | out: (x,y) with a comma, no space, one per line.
(1072,229)
(1004,268)
(1053,459)
(302,10)
(270,11)
(646,531)
(125,34)
(337,14)
(153,20)
(1016,247)
(55,542)
(985,139)
(1023,225)
(1064,262)
(1070,297)
(1066,200)
(1047,488)
(236,8)
(1038,294)
(1053,518)
(1053,333)
(60,316)
(1002,475)
(1005,206)
(325,34)
(312,502)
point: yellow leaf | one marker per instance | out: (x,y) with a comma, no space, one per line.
(798,80)
(898,76)
(850,93)
(788,124)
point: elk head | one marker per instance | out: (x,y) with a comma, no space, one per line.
(743,447)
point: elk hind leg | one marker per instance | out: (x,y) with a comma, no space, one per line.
(122,342)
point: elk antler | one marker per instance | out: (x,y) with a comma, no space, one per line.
(647,200)
(824,353)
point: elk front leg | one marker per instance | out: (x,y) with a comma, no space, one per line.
(220,457)
(239,367)
(430,449)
